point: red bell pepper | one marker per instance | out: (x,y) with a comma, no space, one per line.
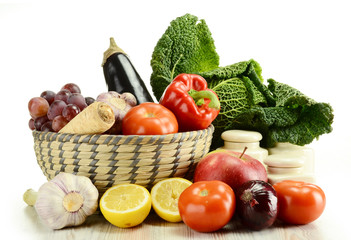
(194,105)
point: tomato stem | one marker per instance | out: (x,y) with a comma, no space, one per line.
(204,192)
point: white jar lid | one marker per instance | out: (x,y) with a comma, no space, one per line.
(284,170)
(285,160)
(241,136)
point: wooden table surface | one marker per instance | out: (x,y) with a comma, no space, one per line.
(96,227)
(332,173)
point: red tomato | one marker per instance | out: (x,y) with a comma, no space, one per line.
(207,206)
(299,202)
(149,119)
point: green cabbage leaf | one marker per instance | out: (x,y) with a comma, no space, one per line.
(186,46)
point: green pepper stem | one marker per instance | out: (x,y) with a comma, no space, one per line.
(199,98)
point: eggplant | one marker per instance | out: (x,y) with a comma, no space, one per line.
(121,76)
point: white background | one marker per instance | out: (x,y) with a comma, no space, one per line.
(305,44)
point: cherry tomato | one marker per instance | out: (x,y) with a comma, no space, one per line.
(149,119)
(299,202)
(207,206)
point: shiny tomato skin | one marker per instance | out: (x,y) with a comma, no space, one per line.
(299,202)
(207,206)
(149,119)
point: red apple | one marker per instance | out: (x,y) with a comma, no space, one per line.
(231,167)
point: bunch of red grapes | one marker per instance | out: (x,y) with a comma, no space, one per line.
(52,111)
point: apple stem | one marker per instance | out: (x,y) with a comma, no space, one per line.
(243,152)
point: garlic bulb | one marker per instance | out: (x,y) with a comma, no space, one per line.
(66,200)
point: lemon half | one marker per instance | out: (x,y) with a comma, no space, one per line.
(125,205)
(165,195)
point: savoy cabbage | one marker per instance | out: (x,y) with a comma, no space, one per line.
(278,111)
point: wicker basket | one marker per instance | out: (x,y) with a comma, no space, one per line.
(111,159)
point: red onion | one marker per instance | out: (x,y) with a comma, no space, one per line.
(257,204)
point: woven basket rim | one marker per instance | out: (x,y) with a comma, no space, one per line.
(126,139)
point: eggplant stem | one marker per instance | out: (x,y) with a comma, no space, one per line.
(111,50)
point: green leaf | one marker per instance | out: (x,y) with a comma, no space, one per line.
(296,118)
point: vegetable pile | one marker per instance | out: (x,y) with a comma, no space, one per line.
(204,206)
(67,111)
(193,92)
(278,111)
(115,113)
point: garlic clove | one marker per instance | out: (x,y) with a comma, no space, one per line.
(30,197)
(66,200)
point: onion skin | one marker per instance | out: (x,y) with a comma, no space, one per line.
(257,204)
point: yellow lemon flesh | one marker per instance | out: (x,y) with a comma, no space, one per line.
(165,195)
(125,205)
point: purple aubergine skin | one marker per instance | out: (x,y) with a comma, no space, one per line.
(257,204)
